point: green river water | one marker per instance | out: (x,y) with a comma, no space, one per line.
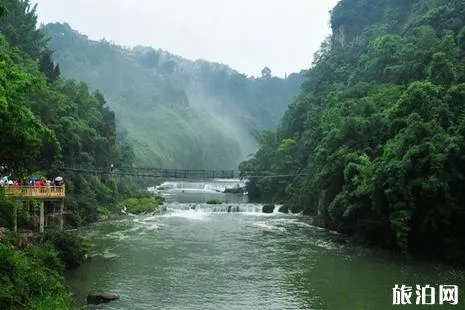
(198,256)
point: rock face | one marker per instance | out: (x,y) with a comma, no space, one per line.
(100,298)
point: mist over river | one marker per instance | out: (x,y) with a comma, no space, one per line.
(199,256)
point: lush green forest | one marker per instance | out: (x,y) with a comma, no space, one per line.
(374,142)
(175,112)
(376,137)
(47,121)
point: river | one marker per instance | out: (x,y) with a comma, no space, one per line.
(199,256)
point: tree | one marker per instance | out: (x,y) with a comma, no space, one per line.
(168,66)
(22,131)
(3,10)
(152,59)
(19,28)
(379,129)
(46,66)
(266,72)
(441,71)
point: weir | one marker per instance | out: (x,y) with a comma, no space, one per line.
(53,194)
(205,208)
(217,185)
(220,208)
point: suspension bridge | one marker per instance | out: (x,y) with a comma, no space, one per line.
(56,194)
(162,173)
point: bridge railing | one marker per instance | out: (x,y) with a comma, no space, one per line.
(186,173)
(42,192)
(156,172)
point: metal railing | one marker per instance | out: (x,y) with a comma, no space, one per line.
(43,192)
(195,174)
(157,172)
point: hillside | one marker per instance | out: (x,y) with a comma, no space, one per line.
(48,121)
(175,112)
(378,131)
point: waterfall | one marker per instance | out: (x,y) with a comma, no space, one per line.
(175,207)
(220,208)
(217,185)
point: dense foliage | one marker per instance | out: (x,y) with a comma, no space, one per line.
(31,276)
(73,249)
(376,138)
(177,113)
(141,205)
(47,122)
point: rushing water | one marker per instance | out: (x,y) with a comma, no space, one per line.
(199,256)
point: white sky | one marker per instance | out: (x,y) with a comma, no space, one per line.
(245,34)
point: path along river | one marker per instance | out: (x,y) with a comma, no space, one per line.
(198,256)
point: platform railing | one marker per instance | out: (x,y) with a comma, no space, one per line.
(33,191)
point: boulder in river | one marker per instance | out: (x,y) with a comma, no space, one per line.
(268,209)
(283,209)
(100,298)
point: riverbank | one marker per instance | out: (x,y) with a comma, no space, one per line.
(33,265)
(33,268)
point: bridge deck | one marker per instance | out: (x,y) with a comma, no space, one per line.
(45,192)
(159,173)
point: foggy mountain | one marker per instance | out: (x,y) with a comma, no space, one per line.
(176,112)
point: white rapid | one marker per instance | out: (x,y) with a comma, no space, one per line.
(248,208)
(216,185)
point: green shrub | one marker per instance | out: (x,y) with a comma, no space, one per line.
(46,255)
(142,205)
(7,211)
(213,202)
(72,247)
(103,211)
(31,279)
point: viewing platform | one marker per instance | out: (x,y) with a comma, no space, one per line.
(49,194)
(42,193)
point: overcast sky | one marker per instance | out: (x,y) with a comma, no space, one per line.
(245,34)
